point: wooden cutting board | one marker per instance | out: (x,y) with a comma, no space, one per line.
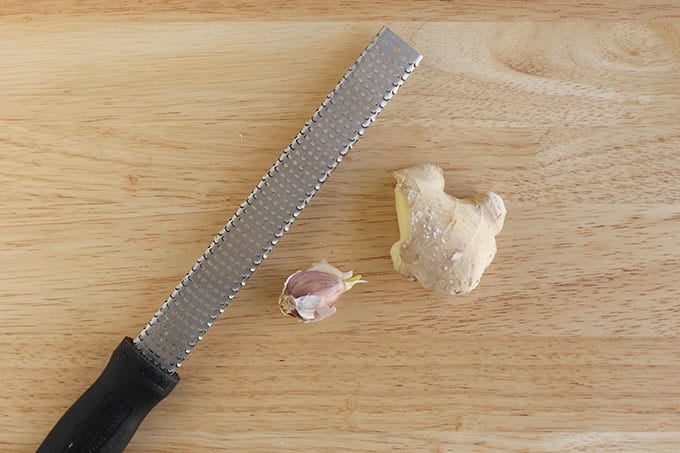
(129,134)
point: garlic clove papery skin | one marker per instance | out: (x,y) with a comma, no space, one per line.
(445,243)
(322,284)
(313,308)
(311,295)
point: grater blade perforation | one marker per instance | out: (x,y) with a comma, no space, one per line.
(220,272)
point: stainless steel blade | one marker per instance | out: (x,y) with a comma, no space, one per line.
(277,200)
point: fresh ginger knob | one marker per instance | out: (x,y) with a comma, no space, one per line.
(445,243)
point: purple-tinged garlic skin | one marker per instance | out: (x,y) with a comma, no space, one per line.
(311,295)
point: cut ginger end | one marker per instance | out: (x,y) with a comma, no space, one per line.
(445,243)
(403,219)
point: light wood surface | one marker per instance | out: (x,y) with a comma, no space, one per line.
(128,136)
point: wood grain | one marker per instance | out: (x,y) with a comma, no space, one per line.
(127,141)
(348,10)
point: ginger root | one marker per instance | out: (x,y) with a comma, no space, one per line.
(445,243)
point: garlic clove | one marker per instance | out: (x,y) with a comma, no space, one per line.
(311,295)
(445,243)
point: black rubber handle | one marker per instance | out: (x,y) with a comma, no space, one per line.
(106,416)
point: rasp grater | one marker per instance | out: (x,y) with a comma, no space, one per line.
(141,372)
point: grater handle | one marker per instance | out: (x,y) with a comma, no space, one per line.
(106,416)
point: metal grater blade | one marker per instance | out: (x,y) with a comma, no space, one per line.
(277,200)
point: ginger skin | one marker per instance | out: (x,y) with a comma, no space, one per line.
(445,243)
